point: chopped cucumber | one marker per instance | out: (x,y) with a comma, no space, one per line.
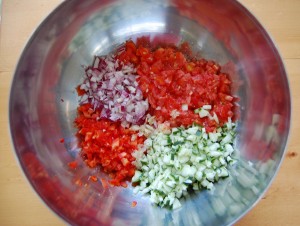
(181,159)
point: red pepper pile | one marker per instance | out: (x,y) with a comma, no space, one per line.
(107,144)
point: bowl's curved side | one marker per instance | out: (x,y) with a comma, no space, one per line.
(277,133)
(23,115)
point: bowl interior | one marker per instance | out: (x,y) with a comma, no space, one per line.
(43,105)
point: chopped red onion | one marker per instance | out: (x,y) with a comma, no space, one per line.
(112,87)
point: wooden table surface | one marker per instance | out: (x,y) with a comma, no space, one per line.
(19,205)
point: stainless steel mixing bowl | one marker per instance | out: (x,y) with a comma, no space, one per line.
(43,105)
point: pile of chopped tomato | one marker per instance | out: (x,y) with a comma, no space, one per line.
(170,78)
(107,144)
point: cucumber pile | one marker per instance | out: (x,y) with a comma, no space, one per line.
(182,159)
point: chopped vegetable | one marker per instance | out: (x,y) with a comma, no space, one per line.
(73,165)
(78,182)
(93,178)
(156,115)
(104,183)
(134,203)
(107,144)
(182,159)
(176,85)
(112,87)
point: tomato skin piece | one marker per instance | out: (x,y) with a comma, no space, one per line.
(130,46)
(134,203)
(93,178)
(186,49)
(143,41)
(104,183)
(80,92)
(73,165)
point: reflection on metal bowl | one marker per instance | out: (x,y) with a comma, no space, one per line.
(50,69)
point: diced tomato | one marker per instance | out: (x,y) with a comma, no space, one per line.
(93,178)
(157,66)
(143,41)
(143,69)
(186,49)
(104,183)
(78,182)
(80,92)
(133,204)
(73,165)
(172,78)
(142,51)
(130,46)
